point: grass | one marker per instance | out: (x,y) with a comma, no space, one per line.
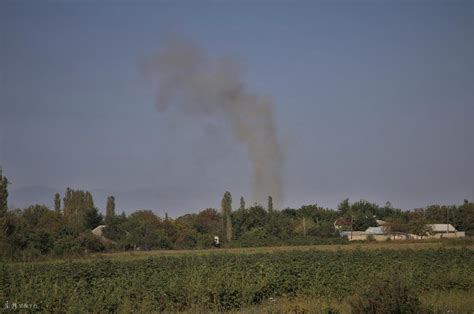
(316,278)
(391,245)
(298,279)
(437,301)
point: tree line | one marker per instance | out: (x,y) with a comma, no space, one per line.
(66,229)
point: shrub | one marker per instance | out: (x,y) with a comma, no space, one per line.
(67,245)
(387,297)
(90,243)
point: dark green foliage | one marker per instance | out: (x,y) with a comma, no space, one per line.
(245,220)
(259,237)
(419,227)
(3,194)
(92,218)
(57,202)
(270,204)
(33,214)
(145,232)
(465,217)
(242,203)
(222,281)
(36,230)
(90,243)
(67,245)
(344,207)
(363,214)
(76,203)
(110,210)
(115,229)
(226,205)
(388,296)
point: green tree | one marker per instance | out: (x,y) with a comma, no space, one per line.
(419,227)
(270,204)
(245,220)
(33,214)
(466,217)
(3,194)
(242,203)
(76,203)
(67,206)
(92,218)
(88,201)
(110,212)
(145,231)
(361,213)
(57,202)
(396,224)
(226,205)
(344,206)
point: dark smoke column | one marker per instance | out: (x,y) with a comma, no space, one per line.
(199,85)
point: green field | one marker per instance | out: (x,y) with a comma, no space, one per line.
(283,279)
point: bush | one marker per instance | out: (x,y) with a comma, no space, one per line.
(275,241)
(387,297)
(459,241)
(90,243)
(67,245)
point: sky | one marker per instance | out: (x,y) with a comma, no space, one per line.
(372,100)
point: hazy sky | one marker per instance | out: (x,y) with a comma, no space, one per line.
(373,100)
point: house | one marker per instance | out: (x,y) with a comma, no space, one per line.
(99,233)
(382,233)
(375,230)
(342,223)
(99,230)
(354,235)
(444,231)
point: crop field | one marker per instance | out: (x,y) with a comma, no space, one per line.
(278,280)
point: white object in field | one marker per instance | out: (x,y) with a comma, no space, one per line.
(216,240)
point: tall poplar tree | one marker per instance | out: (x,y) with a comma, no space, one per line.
(3,194)
(270,204)
(110,211)
(226,205)
(57,202)
(242,203)
(76,203)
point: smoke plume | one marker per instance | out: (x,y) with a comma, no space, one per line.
(197,84)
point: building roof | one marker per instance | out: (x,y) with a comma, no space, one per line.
(380,222)
(343,222)
(99,230)
(375,230)
(442,227)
